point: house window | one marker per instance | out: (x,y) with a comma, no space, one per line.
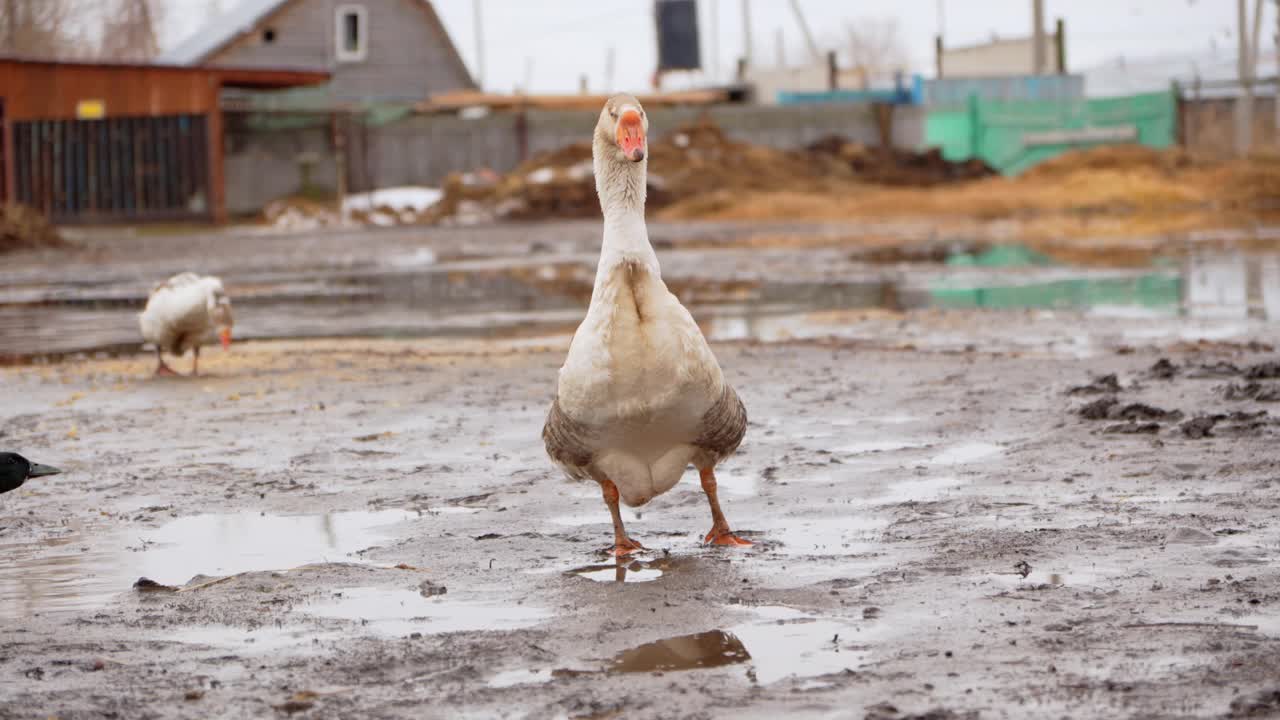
(352,36)
(269,35)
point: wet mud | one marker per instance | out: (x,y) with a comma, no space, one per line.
(369,527)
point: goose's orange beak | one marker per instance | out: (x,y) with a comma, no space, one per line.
(224,336)
(631,135)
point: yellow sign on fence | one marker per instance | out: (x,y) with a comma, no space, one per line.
(91,110)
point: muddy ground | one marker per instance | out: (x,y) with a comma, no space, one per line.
(370,528)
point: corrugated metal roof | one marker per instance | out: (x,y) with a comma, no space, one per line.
(208,38)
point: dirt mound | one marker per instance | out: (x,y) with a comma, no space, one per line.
(22,228)
(898,167)
(690,162)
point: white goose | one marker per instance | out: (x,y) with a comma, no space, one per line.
(182,313)
(641,395)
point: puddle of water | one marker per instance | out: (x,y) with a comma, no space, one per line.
(250,641)
(636,571)
(782,643)
(507,296)
(80,572)
(514,678)
(966,453)
(397,613)
(1038,578)
(714,648)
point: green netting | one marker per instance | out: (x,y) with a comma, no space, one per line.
(1153,291)
(1013,136)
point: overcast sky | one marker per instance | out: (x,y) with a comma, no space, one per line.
(553,42)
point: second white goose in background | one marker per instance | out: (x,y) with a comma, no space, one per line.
(640,396)
(182,313)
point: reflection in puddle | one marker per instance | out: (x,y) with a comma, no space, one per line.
(506,296)
(782,643)
(686,652)
(636,571)
(247,542)
(968,452)
(400,612)
(80,572)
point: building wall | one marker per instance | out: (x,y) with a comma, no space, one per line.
(423,150)
(999,58)
(409,55)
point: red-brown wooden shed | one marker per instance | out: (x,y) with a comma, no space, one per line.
(112,142)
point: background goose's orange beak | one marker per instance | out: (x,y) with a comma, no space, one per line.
(224,335)
(631,135)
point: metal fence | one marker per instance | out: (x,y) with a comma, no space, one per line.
(129,168)
(278,154)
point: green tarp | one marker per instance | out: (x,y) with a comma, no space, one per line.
(1013,136)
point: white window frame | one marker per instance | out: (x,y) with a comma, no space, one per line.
(340,33)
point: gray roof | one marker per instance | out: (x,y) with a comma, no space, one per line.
(208,38)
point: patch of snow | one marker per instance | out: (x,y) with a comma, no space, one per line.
(582,170)
(408,197)
(541,176)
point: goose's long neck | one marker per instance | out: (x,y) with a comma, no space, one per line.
(621,187)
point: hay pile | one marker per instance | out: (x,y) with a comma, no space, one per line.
(22,228)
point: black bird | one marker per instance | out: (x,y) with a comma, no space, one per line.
(15,470)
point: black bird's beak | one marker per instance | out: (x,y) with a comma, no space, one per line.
(38,470)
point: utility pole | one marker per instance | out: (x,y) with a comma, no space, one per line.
(1037,37)
(478,21)
(715,40)
(942,19)
(782,49)
(804,30)
(1244,104)
(608,70)
(746,31)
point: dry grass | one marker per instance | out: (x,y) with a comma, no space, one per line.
(1121,192)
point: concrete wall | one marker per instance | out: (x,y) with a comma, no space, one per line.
(262,165)
(998,58)
(1208,127)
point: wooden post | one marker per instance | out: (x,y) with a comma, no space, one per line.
(937,56)
(522,135)
(833,71)
(1060,37)
(6,146)
(338,129)
(217,146)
